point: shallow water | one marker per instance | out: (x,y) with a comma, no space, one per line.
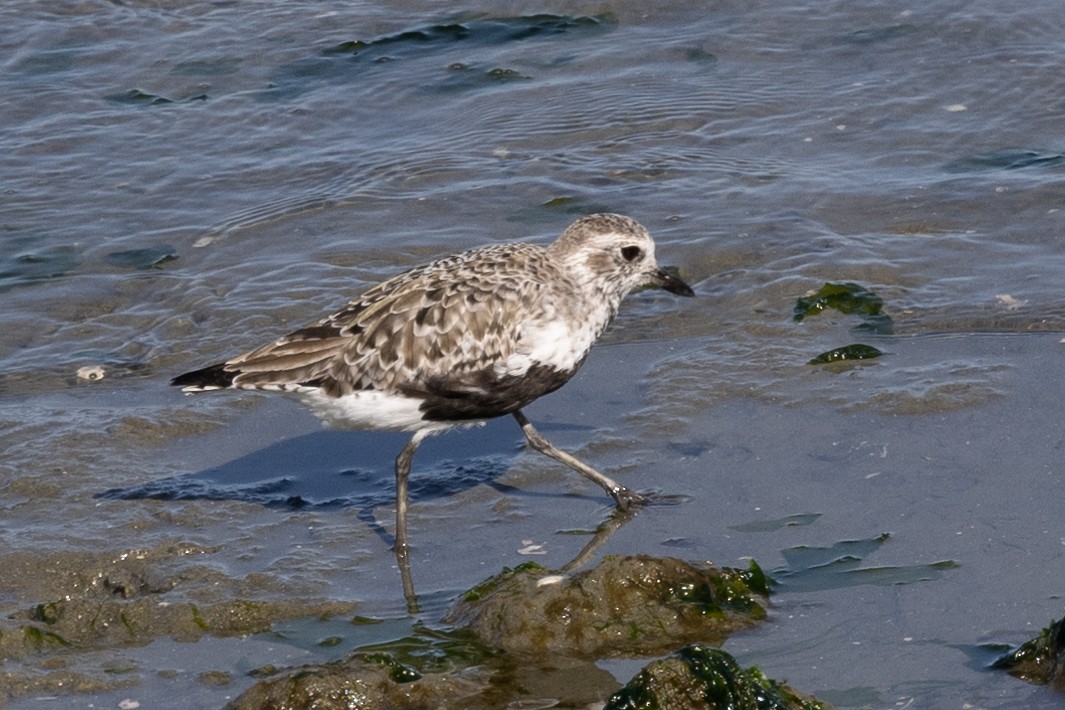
(183,180)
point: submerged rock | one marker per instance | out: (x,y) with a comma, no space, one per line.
(633,606)
(370,681)
(1041,660)
(360,683)
(100,623)
(129,597)
(702,678)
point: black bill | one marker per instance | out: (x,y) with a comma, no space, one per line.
(664,280)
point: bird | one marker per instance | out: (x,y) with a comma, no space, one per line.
(461,340)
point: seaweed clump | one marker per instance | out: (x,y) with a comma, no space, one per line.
(1041,660)
(701,678)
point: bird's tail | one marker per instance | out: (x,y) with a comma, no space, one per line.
(215,377)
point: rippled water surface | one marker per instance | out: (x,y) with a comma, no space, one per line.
(183,180)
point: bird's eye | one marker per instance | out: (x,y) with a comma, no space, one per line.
(631,253)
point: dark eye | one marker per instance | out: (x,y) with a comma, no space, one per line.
(631,253)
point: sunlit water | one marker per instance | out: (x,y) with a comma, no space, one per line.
(183,180)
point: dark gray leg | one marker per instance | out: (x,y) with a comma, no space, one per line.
(402,473)
(402,548)
(623,497)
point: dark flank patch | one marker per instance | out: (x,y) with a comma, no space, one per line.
(323,331)
(213,376)
(482,395)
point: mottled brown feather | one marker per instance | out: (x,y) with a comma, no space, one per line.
(454,317)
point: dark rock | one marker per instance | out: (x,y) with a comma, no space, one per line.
(702,678)
(1041,660)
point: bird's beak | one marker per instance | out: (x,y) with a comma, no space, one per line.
(664,280)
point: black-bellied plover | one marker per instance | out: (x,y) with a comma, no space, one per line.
(461,340)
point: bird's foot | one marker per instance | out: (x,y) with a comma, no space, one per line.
(625,499)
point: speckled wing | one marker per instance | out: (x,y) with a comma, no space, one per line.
(439,332)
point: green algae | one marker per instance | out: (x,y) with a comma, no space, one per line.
(1041,660)
(847,353)
(701,678)
(492,583)
(48,612)
(37,638)
(397,672)
(197,617)
(730,590)
(429,650)
(850,299)
(847,298)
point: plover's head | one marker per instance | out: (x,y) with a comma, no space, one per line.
(616,253)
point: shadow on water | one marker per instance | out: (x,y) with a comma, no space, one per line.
(326,470)
(332,470)
(314,471)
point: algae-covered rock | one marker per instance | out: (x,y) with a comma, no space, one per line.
(1041,660)
(432,668)
(360,683)
(636,605)
(702,678)
(428,669)
(530,637)
(58,684)
(111,598)
(375,681)
(97,623)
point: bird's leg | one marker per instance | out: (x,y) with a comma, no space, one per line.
(403,462)
(623,497)
(401,548)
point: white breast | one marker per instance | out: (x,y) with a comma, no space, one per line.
(558,344)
